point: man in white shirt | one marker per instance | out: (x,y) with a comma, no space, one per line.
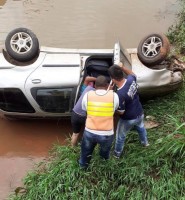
(99,129)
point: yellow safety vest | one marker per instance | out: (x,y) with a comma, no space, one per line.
(100,111)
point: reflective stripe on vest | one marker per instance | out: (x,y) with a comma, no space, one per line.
(100,111)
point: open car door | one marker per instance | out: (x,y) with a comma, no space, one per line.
(121,55)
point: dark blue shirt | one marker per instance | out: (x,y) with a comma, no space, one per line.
(129,99)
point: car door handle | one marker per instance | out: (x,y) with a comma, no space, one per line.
(36,81)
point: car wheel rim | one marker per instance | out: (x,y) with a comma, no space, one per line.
(21,42)
(151,47)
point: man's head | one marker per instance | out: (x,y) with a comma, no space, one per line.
(116,73)
(101,82)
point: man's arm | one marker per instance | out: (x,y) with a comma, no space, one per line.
(126,70)
(116,101)
(86,82)
(84,102)
(89,79)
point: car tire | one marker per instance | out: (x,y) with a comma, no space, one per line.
(22,44)
(153,49)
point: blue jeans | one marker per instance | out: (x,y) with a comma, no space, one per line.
(124,126)
(89,141)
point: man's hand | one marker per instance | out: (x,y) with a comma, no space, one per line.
(125,69)
(111,87)
(119,112)
(120,64)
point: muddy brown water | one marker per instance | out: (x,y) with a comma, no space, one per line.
(68,24)
(25,143)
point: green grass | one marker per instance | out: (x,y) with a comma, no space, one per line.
(156,172)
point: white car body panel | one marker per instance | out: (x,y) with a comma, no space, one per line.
(4,63)
(47,77)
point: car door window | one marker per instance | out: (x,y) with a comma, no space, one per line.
(54,100)
(13,100)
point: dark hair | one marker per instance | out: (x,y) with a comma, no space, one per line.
(101,81)
(116,72)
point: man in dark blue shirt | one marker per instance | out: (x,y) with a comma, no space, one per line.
(130,108)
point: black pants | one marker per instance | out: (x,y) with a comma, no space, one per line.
(77,122)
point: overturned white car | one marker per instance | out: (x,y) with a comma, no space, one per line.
(44,82)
